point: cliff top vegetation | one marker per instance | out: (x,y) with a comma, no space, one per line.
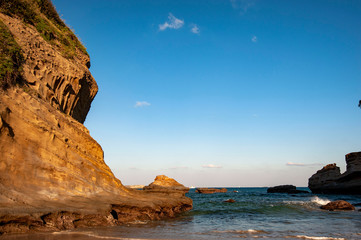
(42,15)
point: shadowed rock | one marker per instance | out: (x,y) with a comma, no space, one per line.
(290,189)
(330,180)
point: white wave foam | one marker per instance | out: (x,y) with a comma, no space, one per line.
(249,231)
(320,201)
(316,238)
(91,234)
(294,202)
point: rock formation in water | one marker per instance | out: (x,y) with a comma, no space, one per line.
(166,187)
(211,190)
(52,172)
(163,183)
(290,189)
(330,180)
(338,205)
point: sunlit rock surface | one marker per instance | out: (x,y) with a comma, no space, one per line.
(52,172)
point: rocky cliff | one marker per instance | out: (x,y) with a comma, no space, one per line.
(52,172)
(330,180)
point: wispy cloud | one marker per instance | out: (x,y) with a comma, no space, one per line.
(292,164)
(178,167)
(141,104)
(172,23)
(211,166)
(242,5)
(195,29)
(254,39)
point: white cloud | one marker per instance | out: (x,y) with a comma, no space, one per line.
(141,104)
(242,5)
(173,23)
(211,166)
(254,39)
(195,29)
(292,164)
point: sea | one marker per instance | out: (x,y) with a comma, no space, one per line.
(255,214)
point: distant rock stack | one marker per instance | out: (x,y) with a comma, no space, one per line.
(290,189)
(330,180)
(211,190)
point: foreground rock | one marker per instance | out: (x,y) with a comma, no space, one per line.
(211,190)
(52,172)
(290,189)
(338,205)
(330,180)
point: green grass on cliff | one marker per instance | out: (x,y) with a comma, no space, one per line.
(42,15)
(11,59)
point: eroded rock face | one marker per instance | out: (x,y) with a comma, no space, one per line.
(330,180)
(46,154)
(64,83)
(164,183)
(52,172)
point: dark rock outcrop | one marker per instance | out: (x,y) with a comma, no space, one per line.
(290,189)
(330,180)
(211,190)
(52,172)
(338,205)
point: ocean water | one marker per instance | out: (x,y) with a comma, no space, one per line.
(255,214)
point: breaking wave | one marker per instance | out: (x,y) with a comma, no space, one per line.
(249,231)
(314,238)
(319,201)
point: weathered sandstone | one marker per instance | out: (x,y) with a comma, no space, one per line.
(52,172)
(64,83)
(135,186)
(330,180)
(163,183)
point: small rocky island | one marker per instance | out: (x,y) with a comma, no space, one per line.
(329,179)
(211,190)
(290,189)
(52,172)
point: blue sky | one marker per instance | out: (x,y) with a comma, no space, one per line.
(222,93)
